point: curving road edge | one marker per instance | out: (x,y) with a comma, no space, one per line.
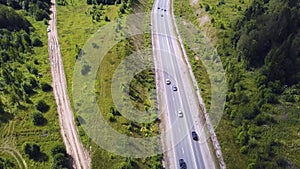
(74,147)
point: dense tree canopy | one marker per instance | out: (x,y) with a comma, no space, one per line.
(269,36)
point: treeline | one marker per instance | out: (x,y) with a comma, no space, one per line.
(39,9)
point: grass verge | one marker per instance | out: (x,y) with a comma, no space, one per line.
(75,27)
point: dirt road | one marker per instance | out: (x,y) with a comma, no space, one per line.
(80,157)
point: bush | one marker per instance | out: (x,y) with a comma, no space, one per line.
(38,119)
(106,19)
(264,118)
(244,149)
(37,42)
(40,15)
(32,150)
(60,157)
(207,7)
(85,69)
(289,98)
(6,164)
(58,149)
(111,117)
(42,106)
(46,87)
(60,161)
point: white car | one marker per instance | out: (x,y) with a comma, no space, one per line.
(168,81)
(180,114)
(48,29)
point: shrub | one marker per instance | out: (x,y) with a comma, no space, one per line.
(244,149)
(58,149)
(111,118)
(60,161)
(207,7)
(36,41)
(6,164)
(32,150)
(38,119)
(106,19)
(85,69)
(42,106)
(46,87)
(60,157)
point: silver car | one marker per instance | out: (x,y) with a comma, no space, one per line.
(180,114)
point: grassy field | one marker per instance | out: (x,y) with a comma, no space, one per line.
(75,27)
(21,129)
(139,87)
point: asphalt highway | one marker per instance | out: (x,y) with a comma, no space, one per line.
(196,154)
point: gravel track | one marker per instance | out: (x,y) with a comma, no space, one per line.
(80,157)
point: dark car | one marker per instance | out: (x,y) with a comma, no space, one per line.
(165,10)
(182,164)
(195,136)
(158,8)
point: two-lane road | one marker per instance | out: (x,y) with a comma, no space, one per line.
(168,53)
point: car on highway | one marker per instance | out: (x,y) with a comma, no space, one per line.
(168,81)
(180,114)
(174,88)
(182,164)
(195,136)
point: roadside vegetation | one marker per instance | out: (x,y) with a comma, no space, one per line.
(258,42)
(29,126)
(75,25)
(139,87)
(77,22)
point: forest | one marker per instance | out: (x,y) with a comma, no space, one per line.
(261,55)
(268,36)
